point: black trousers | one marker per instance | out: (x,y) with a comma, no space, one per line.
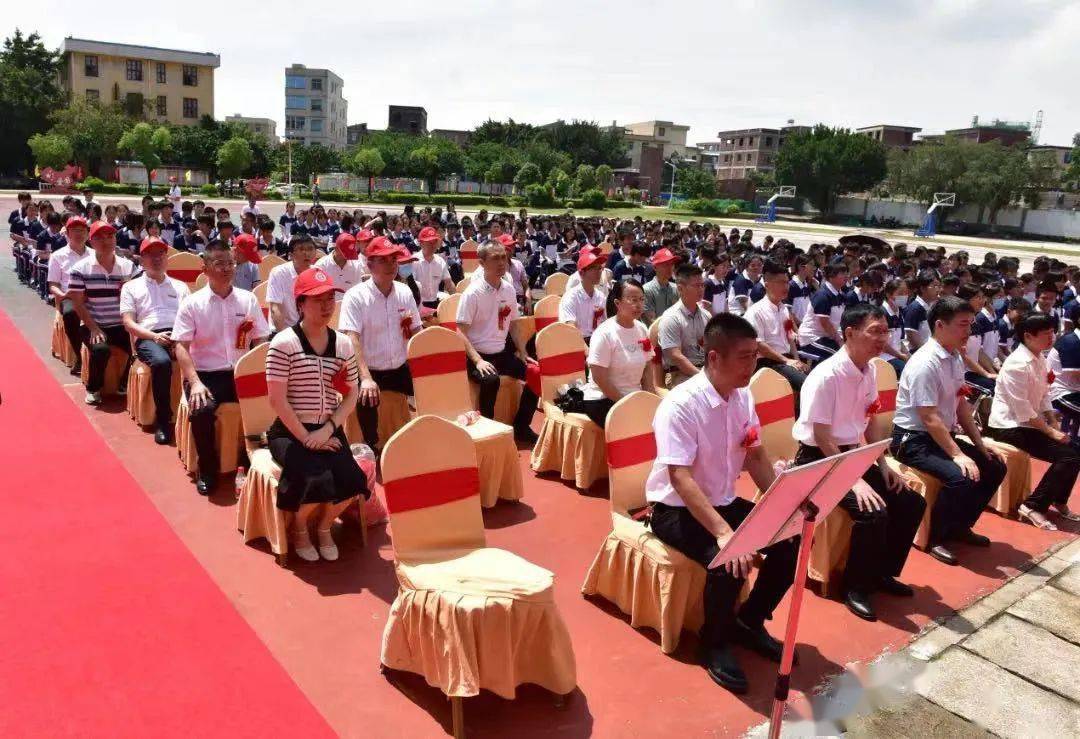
(794,377)
(880,540)
(961,501)
(396,380)
(506,364)
(598,409)
(1068,406)
(677,527)
(1056,485)
(222,388)
(820,349)
(160,362)
(72,324)
(100,353)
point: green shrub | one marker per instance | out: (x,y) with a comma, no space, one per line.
(634,194)
(208,189)
(594,199)
(623,203)
(94,183)
(539,196)
(708,207)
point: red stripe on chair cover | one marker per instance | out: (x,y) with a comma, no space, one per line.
(449,326)
(775,410)
(251,386)
(532,377)
(658,355)
(184,275)
(431,488)
(543,322)
(562,364)
(468,254)
(266,312)
(887,398)
(442,363)
(631,450)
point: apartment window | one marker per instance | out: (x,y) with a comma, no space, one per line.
(191,75)
(751,141)
(316,104)
(94,95)
(162,106)
(295,83)
(191,108)
(727,157)
(299,102)
(768,141)
(662,131)
(316,83)
(316,125)
(161,78)
(749,158)
(133,104)
(90,66)
(781,141)
(295,122)
(133,68)
(738,157)
(740,142)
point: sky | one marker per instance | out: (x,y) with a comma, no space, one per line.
(710,65)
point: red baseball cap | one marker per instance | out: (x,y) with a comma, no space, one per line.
(405,256)
(246,245)
(347,244)
(76,221)
(427,233)
(313,282)
(588,258)
(150,242)
(381,246)
(101,228)
(663,256)
(365,235)
(508,241)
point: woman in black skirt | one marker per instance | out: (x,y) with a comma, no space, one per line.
(313,379)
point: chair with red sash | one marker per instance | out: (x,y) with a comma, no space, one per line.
(655,585)
(257,514)
(114,370)
(775,406)
(201,281)
(228,431)
(555,284)
(60,346)
(656,363)
(268,263)
(441,388)
(260,295)
(570,443)
(446,313)
(140,394)
(185,267)
(470,259)
(466,617)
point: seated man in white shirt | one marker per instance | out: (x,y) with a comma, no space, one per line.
(707,432)
(584,304)
(931,400)
(838,399)
(58,276)
(1021,415)
(214,327)
(279,288)
(484,314)
(775,328)
(379,316)
(344,265)
(148,305)
(430,271)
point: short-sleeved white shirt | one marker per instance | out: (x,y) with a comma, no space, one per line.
(279,289)
(696,428)
(585,311)
(682,329)
(376,319)
(479,309)
(1022,390)
(770,320)
(342,277)
(60,264)
(622,351)
(153,304)
(837,393)
(932,378)
(211,322)
(429,276)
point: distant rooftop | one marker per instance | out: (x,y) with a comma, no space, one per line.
(156,53)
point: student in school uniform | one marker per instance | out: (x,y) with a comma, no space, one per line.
(1015,309)
(819,332)
(287,220)
(50,240)
(801,288)
(926,288)
(894,299)
(744,283)
(1064,363)
(717,285)
(775,328)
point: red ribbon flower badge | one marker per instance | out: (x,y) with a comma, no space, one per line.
(340,380)
(963,392)
(646,345)
(789,325)
(751,437)
(597,316)
(873,409)
(1050,377)
(504,313)
(406,325)
(242,332)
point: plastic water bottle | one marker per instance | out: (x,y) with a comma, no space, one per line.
(241,480)
(365,459)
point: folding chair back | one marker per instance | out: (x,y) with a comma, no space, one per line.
(560,350)
(437,363)
(186,267)
(253,392)
(470,259)
(268,263)
(656,364)
(446,315)
(462,286)
(605,248)
(555,284)
(260,295)
(201,281)
(882,421)
(775,404)
(631,449)
(546,311)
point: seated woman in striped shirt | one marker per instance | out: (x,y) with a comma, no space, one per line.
(313,379)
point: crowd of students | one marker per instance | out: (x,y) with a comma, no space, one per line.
(976,347)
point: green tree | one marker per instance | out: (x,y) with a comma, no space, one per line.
(586,142)
(605,175)
(29,91)
(584,178)
(51,150)
(546,158)
(1070,178)
(234,157)
(691,182)
(529,174)
(560,182)
(502,172)
(366,162)
(197,146)
(825,163)
(147,143)
(308,161)
(997,176)
(435,158)
(94,131)
(930,168)
(481,159)
(394,148)
(510,133)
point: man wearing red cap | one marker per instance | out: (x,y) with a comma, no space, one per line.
(483,317)
(344,265)
(247,256)
(431,271)
(148,305)
(575,279)
(379,315)
(584,305)
(60,264)
(279,290)
(94,288)
(660,293)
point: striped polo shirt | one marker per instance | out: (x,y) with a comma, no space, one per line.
(101,287)
(310,376)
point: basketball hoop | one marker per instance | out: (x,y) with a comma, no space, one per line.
(929,226)
(768,214)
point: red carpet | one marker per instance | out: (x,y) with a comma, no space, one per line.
(110,625)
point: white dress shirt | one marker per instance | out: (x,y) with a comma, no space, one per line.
(279,289)
(479,309)
(343,277)
(210,322)
(585,311)
(429,276)
(932,378)
(837,393)
(60,264)
(376,319)
(1022,390)
(153,304)
(770,320)
(696,428)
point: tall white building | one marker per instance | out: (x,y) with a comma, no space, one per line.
(316,111)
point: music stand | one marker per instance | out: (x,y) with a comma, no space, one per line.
(792,504)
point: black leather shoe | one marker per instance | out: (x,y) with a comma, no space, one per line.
(76,369)
(859,604)
(162,436)
(761,641)
(724,669)
(941,554)
(975,540)
(205,485)
(892,586)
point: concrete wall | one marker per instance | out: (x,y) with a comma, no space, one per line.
(1040,222)
(135,174)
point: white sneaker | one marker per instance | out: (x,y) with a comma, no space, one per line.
(93,398)
(327,548)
